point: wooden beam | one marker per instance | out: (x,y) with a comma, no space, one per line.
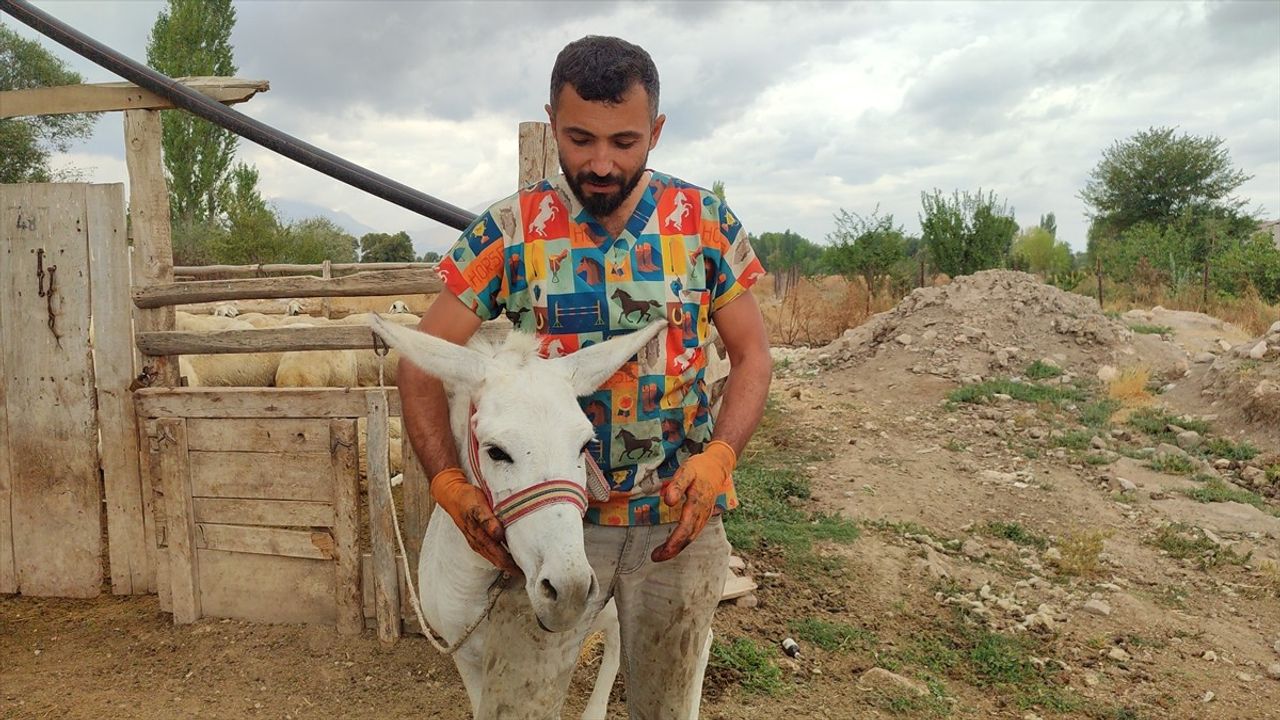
(152,245)
(346,525)
(101,97)
(538,155)
(285,339)
(309,544)
(386,581)
(256,402)
(371,282)
(184,570)
(197,271)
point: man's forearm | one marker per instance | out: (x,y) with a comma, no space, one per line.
(425,410)
(742,406)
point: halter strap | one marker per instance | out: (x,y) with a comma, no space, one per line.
(522,502)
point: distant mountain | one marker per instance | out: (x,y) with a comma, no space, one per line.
(293,210)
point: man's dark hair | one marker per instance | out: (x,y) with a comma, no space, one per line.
(603,69)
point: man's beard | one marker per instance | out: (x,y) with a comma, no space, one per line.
(602,205)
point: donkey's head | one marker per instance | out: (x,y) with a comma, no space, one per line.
(523,437)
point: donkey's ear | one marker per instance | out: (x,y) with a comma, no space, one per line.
(590,366)
(454,365)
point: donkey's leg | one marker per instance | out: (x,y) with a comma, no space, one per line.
(610,661)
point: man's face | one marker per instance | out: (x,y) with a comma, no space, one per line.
(604,147)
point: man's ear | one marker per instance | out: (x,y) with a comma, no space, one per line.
(658,122)
(551,115)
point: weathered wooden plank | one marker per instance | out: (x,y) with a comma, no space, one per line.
(312,544)
(258,434)
(346,526)
(8,574)
(149,215)
(415,492)
(199,271)
(370,282)
(386,585)
(538,155)
(257,402)
(269,476)
(184,566)
(55,496)
(278,513)
(131,568)
(283,339)
(100,97)
(266,588)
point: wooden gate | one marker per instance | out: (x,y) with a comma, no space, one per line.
(63,257)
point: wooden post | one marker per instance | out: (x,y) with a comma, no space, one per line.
(326,272)
(418,504)
(386,582)
(175,471)
(149,210)
(1098,271)
(131,568)
(539,157)
(346,504)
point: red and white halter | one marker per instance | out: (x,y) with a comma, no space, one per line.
(521,503)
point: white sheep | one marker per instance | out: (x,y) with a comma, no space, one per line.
(367,360)
(226,310)
(399,306)
(317,368)
(294,308)
(187,322)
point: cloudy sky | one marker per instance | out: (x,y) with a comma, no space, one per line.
(801,109)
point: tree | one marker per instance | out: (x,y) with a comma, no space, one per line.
(1157,176)
(253,229)
(868,246)
(193,37)
(381,247)
(1050,224)
(315,240)
(966,233)
(787,256)
(717,189)
(430,256)
(27,143)
(1037,251)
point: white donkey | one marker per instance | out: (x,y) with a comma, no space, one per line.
(523,437)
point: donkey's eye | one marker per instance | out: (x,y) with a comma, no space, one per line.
(497,454)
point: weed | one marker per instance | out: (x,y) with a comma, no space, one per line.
(1185,542)
(1099,459)
(1022,391)
(1142,329)
(1128,498)
(1223,448)
(1097,414)
(1269,571)
(833,636)
(748,665)
(1080,551)
(1131,385)
(1074,439)
(1215,490)
(1172,464)
(955,445)
(1155,423)
(1016,533)
(1042,371)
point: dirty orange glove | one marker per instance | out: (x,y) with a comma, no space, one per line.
(470,510)
(698,482)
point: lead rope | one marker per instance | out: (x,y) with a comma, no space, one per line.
(495,589)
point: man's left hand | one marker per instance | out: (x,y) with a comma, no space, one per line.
(698,482)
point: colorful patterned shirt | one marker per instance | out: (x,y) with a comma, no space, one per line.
(554,270)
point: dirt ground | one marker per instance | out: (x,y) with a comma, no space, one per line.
(971,514)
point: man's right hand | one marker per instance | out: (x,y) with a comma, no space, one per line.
(470,510)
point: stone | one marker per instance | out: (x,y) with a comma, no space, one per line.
(1097,607)
(1205,357)
(1255,476)
(1247,677)
(1118,654)
(1053,554)
(1107,373)
(1090,679)
(1259,351)
(1273,671)
(905,339)
(1126,485)
(1167,449)
(1207,697)
(1097,442)
(929,335)
(891,683)
(1189,439)
(1223,345)
(973,550)
(1275,328)
(1210,655)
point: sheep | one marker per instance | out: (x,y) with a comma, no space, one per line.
(398,306)
(226,310)
(294,308)
(394,445)
(367,360)
(196,323)
(317,368)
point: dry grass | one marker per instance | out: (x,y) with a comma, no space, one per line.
(1130,387)
(1248,312)
(1269,571)
(817,310)
(1081,551)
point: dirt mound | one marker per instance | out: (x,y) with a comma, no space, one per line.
(998,322)
(1243,385)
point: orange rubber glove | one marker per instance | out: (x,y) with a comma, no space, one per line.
(470,510)
(697,483)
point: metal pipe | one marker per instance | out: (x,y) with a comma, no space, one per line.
(237,122)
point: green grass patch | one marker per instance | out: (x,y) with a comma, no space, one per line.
(1015,533)
(1098,459)
(833,636)
(1097,414)
(748,665)
(1042,371)
(1186,542)
(1074,439)
(768,519)
(1172,464)
(1215,490)
(1143,329)
(1154,422)
(955,445)
(907,527)
(1021,391)
(1223,448)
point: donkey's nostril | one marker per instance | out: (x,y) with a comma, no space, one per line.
(548,590)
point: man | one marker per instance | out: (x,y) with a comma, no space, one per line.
(609,247)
